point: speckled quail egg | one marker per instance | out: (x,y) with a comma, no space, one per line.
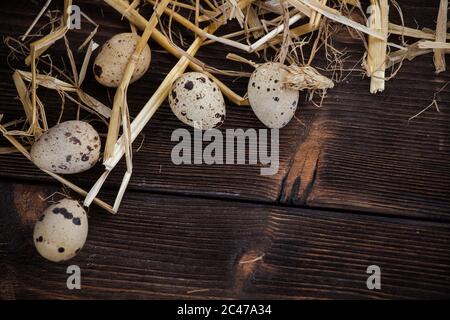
(111,61)
(271,101)
(61,231)
(69,147)
(197,101)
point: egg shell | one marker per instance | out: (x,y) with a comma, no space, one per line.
(271,101)
(61,231)
(197,101)
(111,61)
(67,148)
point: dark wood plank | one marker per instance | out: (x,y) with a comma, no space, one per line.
(361,151)
(363,154)
(163,246)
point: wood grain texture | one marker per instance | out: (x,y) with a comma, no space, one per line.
(362,152)
(178,247)
(357,152)
(375,160)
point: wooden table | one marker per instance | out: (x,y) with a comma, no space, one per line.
(358,185)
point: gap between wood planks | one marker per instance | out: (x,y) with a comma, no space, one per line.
(279,204)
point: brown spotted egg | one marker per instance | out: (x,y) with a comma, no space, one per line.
(69,147)
(61,231)
(197,101)
(111,61)
(271,101)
